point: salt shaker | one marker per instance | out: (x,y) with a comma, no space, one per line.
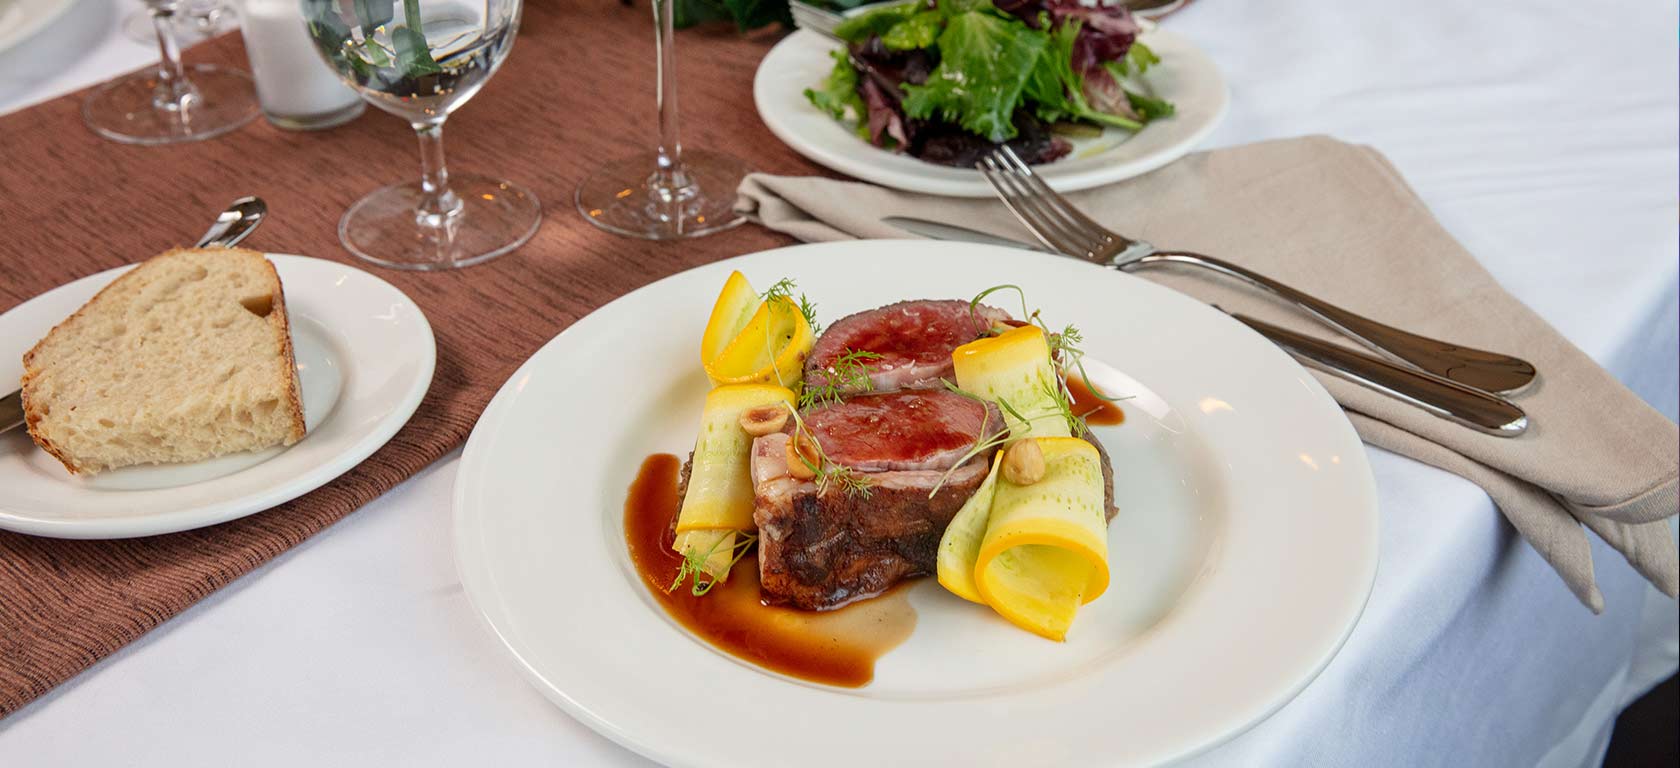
(297,90)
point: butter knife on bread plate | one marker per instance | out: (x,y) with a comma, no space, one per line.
(231,226)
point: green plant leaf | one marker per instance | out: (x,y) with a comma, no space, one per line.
(985,63)
(747,14)
(752,14)
(1138,59)
(414,56)
(372,14)
(958,7)
(1149,107)
(838,95)
(918,31)
(859,28)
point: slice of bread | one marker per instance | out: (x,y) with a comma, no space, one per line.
(185,357)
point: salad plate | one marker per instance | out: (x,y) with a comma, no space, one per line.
(365,357)
(1186,76)
(1241,557)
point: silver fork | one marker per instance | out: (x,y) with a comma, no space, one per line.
(1064,229)
(818,20)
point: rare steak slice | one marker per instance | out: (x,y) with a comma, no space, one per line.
(912,342)
(909,430)
(821,545)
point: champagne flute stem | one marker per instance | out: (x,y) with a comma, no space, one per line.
(669,175)
(437,202)
(174,91)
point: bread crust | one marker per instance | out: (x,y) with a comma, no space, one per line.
(32,413)
(278,319)
(280,322)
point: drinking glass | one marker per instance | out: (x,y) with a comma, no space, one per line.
(668,193)
(195,22)
(420,60)
(174,103)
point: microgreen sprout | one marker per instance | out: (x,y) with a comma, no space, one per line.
(827,473)
(694,563)
(848,375)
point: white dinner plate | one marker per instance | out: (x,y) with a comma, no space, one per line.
(21,19)
(1185,76)
(1242,555)
(365,356)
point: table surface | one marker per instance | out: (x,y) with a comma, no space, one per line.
(1543,139)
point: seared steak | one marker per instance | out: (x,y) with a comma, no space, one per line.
(880,432)
(823,546)
(914,341)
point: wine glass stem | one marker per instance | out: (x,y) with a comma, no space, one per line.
(669,175)
(437,203)
(174,91)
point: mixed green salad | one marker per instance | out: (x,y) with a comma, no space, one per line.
(948,80)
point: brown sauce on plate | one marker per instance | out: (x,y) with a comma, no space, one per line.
(834,647)
(1097,411)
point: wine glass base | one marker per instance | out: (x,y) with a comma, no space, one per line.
(495,217)
(620,197)
(124,109)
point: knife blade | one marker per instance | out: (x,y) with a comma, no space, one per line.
(1443,397)
(11,411)
(934,230)
(1436,395)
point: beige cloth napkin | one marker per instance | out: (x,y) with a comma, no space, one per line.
(1337,221)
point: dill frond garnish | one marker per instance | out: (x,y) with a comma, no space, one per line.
(783,289)
(1061,408)
(808,308)
(851,483)
(1065,350)
(1062,403)
(848,374)
(694,564)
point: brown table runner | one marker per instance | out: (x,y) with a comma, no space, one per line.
(578,88)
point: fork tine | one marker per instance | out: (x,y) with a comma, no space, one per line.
(1011,199)
(1044,217)
(1067,211)
(1042,211)
(1023,206)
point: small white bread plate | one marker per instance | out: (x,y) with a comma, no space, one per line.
(1186,76)
(1242,555)
(365,356)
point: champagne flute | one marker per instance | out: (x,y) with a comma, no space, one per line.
(420,60)
(668,193)
(173,103)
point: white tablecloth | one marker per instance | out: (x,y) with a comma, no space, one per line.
(1543,134)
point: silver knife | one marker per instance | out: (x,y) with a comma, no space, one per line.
(934,230)
(1440,396)
(1437,395)
(231,226)
(11,411)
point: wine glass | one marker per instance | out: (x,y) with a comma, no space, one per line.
(175,102)
(668,193)
(197,21)
(420,60)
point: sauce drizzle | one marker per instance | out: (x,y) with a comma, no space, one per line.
(1097,411)
(833,647)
